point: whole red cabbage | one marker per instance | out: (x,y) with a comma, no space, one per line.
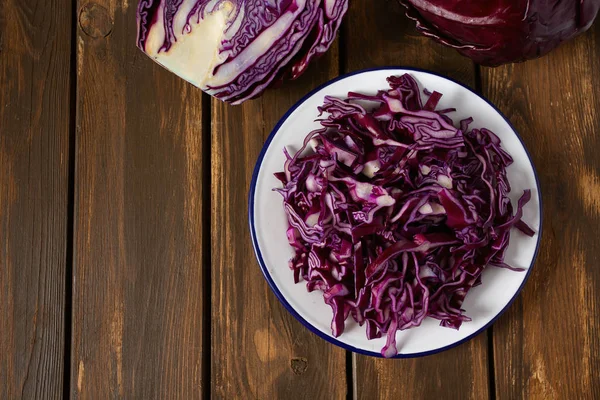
(394,212)
(494,32)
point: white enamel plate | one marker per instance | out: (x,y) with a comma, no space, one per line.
(268,221)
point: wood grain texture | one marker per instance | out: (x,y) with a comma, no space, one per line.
(385,37)
(138,287)
(378,34)
(259,351)
(35,54)
(547,345)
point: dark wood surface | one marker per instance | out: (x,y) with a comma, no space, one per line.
(35,96)
(258,349)
(138,245)
(126,267)
(547,345)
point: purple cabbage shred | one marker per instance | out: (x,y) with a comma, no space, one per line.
(394,212)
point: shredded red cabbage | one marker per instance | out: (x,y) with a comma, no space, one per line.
(394,212)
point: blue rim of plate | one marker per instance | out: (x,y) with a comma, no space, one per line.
(274,287)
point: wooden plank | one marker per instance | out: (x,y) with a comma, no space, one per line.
(546,346)
(259,351)
(138,287)
(378,34)
(35,75)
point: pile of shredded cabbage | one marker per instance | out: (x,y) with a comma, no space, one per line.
(394,212)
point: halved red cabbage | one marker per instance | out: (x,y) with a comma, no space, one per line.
(394,212)
(234,49)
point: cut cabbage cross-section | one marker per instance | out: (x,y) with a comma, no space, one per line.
(235,49)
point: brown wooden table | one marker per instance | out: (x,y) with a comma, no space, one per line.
(126,268)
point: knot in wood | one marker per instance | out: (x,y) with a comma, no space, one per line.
(299,365)
(95,21)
